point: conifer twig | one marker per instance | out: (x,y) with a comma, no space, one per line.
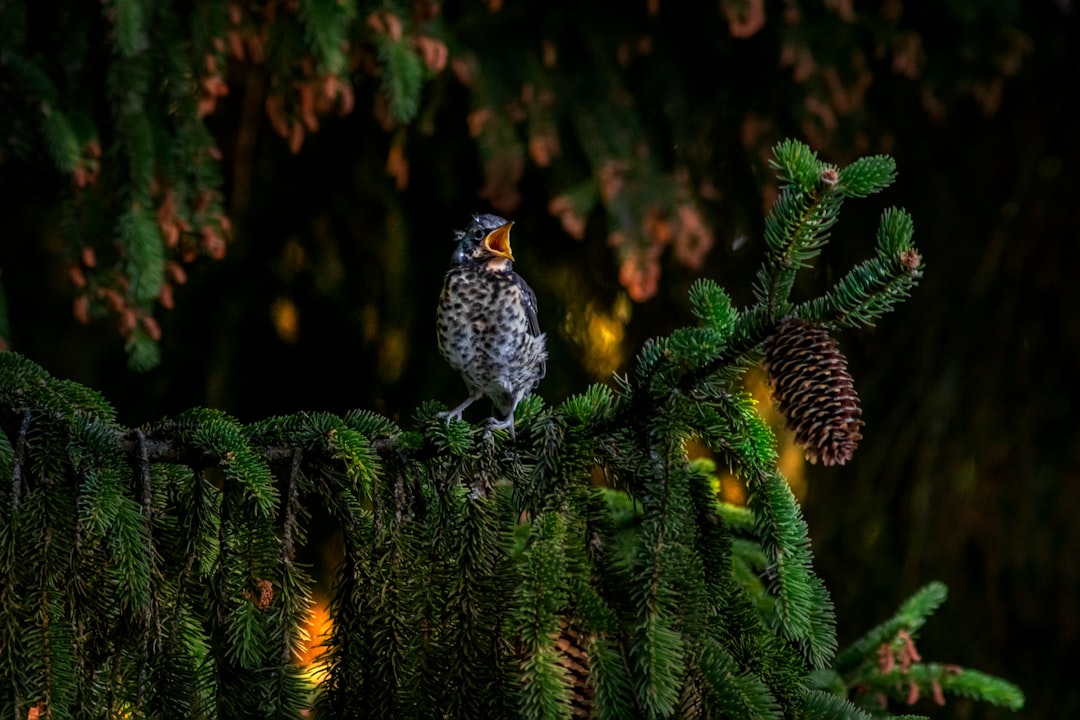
(20,460)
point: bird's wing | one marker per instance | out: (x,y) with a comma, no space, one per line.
(530,305)
(529,297)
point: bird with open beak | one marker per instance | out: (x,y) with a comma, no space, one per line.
(487,325)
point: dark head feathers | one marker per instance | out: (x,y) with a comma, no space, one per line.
(485,223)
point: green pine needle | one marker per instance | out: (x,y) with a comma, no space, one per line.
(736,695)
(820,705)
(983,687)
(354,450)
(614,697)
(60,140)
(867,175)
(590,407)
(143,351)
(326,28)
(130,26)
(712,305)
(657,657)
(141,237)
(403,76)
(796,164)
(246,635)
(895,233)
(951,679)
(370,423)
(911,616)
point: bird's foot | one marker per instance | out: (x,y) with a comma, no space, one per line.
(506,423)
(455,414)
(449,415)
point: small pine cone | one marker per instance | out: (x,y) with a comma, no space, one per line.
(574,658)
(814,390)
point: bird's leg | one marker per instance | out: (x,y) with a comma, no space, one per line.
(455,414)
(507,423)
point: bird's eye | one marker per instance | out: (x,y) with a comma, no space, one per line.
(478,234)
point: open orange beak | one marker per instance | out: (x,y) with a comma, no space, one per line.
(498,241)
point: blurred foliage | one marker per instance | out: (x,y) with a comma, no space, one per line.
(628,141)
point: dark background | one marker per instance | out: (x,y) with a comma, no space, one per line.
(968,471)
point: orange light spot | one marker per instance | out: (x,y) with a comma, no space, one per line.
(286,319)
(316,630)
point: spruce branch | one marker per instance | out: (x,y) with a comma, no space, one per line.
(60,139)
(326,26)
(798,226)
(819,705)
(866,176)
(911,616)
(934,680)
(19,460)
(885,662)
(473,564)
(875,286)
(403,77)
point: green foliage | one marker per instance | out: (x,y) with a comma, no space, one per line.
(872,288)
(402,79)
(884,663)
(818,705)
(130,25)
(895,233)
(143,351)
(798,226)
(911,616)
(60,140)
(712,305)
(154,570)
(591,406)
(326,26)
(117,95)
(796,165)
(146,253)
(867,176)
(538,600)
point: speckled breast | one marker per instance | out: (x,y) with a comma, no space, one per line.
(484,333)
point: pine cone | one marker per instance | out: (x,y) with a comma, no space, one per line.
(575,659)
(814,391)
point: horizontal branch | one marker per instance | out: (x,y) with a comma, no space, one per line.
(163,446)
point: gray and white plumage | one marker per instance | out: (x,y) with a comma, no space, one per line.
(487,323)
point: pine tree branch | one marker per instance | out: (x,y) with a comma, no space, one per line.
(20,457)
(464,553)
(164,444)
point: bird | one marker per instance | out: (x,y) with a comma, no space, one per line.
(487,324)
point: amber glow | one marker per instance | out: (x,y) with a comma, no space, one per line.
(599,333)
(286,319)
(393,352)
(317,630)
(791,461)
(732,489)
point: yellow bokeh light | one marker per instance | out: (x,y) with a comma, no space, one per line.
(317,629)
(600,334)
(393,352)
(791,460)
(286,319)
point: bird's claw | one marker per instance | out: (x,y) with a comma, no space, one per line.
(449,415)
(455,414)
(504,424)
